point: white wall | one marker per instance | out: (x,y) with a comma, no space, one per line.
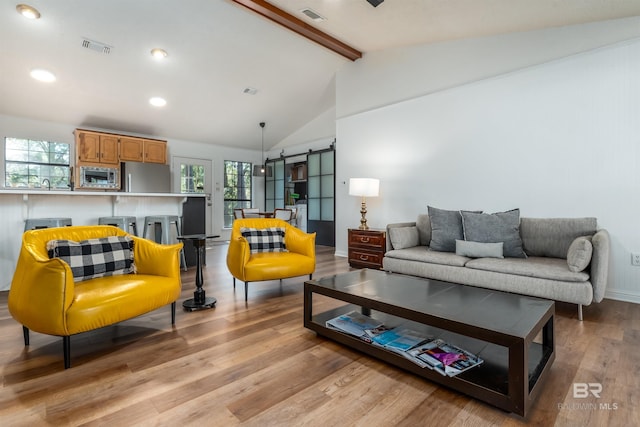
(558,139)
(34,129)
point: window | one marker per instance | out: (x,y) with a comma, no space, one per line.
(192,178)
(237,188)
(28,163)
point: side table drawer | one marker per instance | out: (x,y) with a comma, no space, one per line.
(364,258)
(367,240)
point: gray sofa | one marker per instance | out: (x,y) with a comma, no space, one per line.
(550,246)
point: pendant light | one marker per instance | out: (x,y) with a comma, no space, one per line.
(260,170)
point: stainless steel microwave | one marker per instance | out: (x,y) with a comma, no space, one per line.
(97,177)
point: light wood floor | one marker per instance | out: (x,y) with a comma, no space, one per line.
(255,364)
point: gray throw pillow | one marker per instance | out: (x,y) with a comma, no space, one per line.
(446,228)
(579,254)
(496,227)
(479,250)
(404,237)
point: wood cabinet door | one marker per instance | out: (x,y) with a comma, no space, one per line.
(155,151)
(109,149)
(131,149)
(88,147)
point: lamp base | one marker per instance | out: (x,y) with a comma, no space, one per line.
(363,213)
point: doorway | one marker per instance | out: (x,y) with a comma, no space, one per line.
(195,176)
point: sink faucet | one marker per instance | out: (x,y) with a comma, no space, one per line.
(48,183)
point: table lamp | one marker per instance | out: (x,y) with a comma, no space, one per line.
(364,187)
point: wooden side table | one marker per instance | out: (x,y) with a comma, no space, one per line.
(367,248)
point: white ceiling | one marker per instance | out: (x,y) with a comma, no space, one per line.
(218,48)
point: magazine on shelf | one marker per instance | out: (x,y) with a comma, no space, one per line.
(355,324)
(397,339)
(425,351)
(445,358)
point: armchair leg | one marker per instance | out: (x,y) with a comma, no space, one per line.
(25,333)
(234,283)
(246,290)
(66,348)
(173,313)
(580,312)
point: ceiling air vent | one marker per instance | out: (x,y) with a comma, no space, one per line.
(97,46)
(312,14)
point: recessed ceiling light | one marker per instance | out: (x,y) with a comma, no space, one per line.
(43,75)
(250,90)
(28,11)
(312,14)
(159,53)
(156,101)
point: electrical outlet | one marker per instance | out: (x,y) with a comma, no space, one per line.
(635,258)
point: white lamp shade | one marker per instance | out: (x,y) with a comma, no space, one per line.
(364,187)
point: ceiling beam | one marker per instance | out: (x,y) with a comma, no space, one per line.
(296,25)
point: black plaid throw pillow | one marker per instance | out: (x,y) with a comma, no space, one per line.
(106,256)
(264,239)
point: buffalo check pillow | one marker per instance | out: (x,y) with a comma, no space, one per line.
(264,239)
(106,256)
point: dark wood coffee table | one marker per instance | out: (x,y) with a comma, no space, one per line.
(512,333)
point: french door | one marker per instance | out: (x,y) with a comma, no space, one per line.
(321,196)
(194,176)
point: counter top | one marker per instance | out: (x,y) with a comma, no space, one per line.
(96,193)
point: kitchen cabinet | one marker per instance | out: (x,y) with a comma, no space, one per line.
(155,151)
(93,147)
(131,149)
(102,148)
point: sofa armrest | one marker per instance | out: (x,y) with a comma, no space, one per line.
(237,256)
(299,242)
(42,290)
(600,263)
(156,259)
(396,225)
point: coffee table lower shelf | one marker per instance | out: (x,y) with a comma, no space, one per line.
(499,381)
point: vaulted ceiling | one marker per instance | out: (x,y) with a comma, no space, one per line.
(219,49)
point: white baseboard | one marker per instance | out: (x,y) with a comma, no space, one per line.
(623,296)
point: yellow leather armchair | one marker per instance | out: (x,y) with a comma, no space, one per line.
(44,298)
(299,260)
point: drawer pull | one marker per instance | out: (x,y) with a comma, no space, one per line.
(364,257)
(364,239)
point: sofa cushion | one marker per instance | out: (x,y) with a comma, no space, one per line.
(479,250)
(579,254)
(496,227)
(88,259)
(423,223)
(446,228)
(404,237)
(422,254)
(270,239)
(539,267)
(552,236)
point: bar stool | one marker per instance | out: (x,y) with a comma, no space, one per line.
(165,222)
(35,223)
(127,223)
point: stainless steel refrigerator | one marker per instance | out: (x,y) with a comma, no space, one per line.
(146,178)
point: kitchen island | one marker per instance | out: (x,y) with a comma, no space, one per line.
(83,207)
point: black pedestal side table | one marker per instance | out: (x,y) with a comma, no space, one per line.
(199,300)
